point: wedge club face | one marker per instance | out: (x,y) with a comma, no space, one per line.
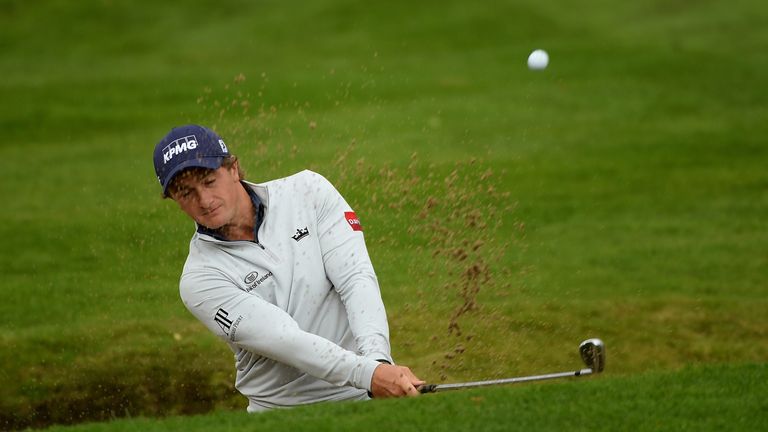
(593,354)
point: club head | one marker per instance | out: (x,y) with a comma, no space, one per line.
(593,353)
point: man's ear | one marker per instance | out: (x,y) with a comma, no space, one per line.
(235,168)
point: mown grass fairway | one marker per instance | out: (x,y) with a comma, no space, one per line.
(705,398)
(622,193)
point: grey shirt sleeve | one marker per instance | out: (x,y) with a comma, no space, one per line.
(253,324)
(349,268)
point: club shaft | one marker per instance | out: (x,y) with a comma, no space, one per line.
(430,388)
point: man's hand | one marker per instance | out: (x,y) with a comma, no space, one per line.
(394,381)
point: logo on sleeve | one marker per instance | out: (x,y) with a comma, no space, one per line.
(227,326)
(353,221)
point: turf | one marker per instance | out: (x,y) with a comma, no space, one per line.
(620,193)
(716,398)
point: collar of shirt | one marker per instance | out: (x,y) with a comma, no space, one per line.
(257,218)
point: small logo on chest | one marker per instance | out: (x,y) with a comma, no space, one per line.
(252,279)
(300,233)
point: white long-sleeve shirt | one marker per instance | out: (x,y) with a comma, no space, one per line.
(300,307)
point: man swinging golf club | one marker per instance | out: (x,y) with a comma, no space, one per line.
(280,272)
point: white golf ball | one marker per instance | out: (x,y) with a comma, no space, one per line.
(538,60)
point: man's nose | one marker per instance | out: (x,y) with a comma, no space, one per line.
(205,198)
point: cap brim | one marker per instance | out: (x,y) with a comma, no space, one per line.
(199,162)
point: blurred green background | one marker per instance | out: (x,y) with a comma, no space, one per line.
(620,193)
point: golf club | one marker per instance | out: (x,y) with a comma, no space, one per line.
(592,352)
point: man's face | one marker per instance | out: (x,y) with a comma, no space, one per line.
(210,197)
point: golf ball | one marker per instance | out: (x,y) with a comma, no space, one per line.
(538,60)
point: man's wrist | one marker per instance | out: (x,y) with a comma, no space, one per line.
(382,361)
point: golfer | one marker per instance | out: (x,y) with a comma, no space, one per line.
(280,272)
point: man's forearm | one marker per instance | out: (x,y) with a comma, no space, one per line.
(368,320)
(312,354)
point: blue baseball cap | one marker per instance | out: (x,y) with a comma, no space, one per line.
(185,147)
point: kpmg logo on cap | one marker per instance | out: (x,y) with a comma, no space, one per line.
(179,146)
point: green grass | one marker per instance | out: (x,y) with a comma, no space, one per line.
(629,200)
(716,397)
